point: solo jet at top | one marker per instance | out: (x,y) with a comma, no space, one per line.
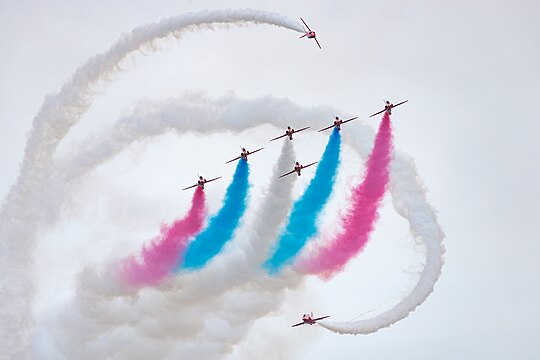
(200,183)
(310,34)
(290,131)
(308,319)
(337,123)
(244,154)
(388,107)
(298,169)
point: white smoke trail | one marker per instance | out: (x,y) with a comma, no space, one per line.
(409,199)
(27,206)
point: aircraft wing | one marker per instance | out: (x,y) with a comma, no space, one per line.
(305,24)
(403,102)
(302,129)
(279,137)
(351,119)
(190,187)
(254,151)
(377,113)
(313,163)
(289,173)
(236,158)
(213,179)
(317,41)
(326,128)
(324,317)
(302,323)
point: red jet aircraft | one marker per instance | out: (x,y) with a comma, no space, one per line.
(244,154)
(298,169)
(308,319)
(310,34)
(338,122)
(200,183)
(290,131)
(388,106)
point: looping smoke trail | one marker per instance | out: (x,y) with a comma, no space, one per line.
(160,256)
(360,219)
(409,198)
(305,211)
(24,209)
(221,227)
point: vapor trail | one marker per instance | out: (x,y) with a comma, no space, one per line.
(359,221)
(305,211)
(27,206)
(221,227)
(160,256)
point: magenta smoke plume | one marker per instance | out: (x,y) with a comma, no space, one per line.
(158,258)
(360,219)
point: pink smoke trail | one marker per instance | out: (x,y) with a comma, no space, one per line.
(360,218)
(158,258)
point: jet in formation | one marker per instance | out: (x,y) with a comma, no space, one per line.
(244,155)
(307,319)
(201,182)
(388,106)
(289,132)
(338,122)
(298,169)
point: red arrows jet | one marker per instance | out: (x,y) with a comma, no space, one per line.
(338,122)
(388,106)
(290,131)
(200,183)
(308,319)
(244,155)
(298,169)
(310,34)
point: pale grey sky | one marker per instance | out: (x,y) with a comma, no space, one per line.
(470,71)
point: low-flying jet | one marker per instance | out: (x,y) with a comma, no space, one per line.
(298,169)
(310,34)
(309,320)
(338,122)
(244,155)
(290,131)
(200,183)
(388,106)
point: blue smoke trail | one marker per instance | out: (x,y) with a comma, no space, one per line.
(305,210)
(221,227)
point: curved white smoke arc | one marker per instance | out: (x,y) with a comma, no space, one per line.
(409,199)
(27,205)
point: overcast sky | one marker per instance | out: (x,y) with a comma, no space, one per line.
(470,70)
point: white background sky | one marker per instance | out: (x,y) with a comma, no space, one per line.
(470,70)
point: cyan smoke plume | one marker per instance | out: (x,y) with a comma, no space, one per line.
(221,227)
(305,211)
